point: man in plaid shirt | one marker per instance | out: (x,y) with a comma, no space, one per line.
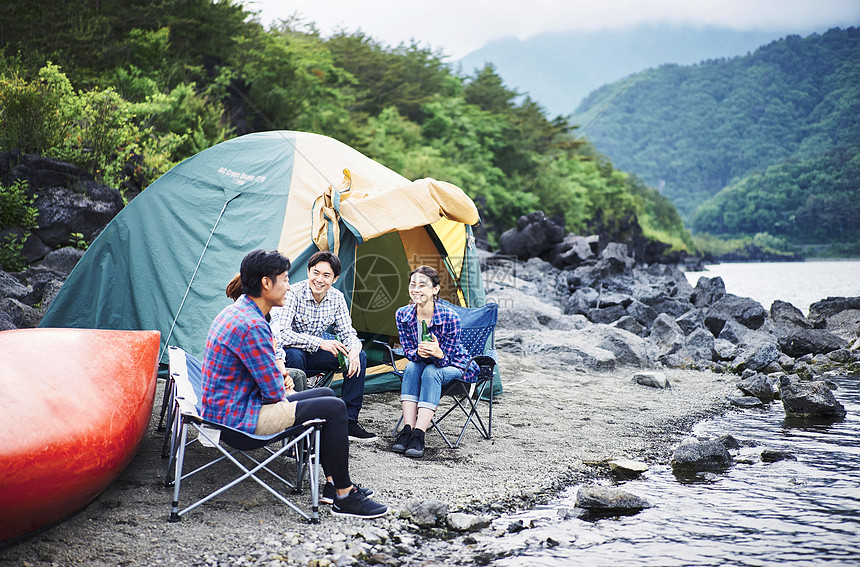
(243,387)
(312,308)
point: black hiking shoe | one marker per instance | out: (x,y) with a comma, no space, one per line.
(415,449)
(329,494)
(402,440)
(358,433)
(357,505)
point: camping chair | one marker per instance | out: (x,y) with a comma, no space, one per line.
(477,326)
(301,441)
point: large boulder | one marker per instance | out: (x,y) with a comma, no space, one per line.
(708,290)
(744,310)
(604,499)
(534,235)
(666,335)
(798,341)
(783,312)
(573,250)
(757,385)
(694,456)
(809,399)
(68,199)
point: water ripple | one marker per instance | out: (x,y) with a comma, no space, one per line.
(801,512)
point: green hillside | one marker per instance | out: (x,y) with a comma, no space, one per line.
(736,128)
(127,91)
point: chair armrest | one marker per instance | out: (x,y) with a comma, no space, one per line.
(486,364)
(392,352)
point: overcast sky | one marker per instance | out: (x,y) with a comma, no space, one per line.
(461,26)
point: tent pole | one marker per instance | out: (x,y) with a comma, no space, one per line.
(193,275)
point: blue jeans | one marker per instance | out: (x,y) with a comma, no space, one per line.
(423,383)
(321,360)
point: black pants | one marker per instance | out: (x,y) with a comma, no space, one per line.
(334,444)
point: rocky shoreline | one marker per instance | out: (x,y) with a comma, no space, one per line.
(604,357)
(579,395)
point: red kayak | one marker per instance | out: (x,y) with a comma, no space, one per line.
(74,407)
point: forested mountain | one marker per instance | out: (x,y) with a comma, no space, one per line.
(778,128)
(559,69)
(126,90)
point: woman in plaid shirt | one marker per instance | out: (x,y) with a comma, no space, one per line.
(432,363)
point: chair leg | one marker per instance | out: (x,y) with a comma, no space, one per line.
(165,399)
(397,426)
(180,460)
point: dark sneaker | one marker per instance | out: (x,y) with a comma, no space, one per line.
(402,440)
(358,433)
(357,505)
(329,493)
(415,449)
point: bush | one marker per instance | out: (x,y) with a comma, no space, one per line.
(17,213)
(31,111)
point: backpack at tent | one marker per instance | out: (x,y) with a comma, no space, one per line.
(163,262)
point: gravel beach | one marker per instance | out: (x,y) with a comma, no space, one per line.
(553,427)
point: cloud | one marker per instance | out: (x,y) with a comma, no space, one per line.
(459,27)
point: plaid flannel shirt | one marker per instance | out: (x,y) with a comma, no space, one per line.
(239,370)
(301,322)
(445,326)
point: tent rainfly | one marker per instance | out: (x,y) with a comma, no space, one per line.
(163,262)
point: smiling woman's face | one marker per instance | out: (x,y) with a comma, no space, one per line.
(421,288)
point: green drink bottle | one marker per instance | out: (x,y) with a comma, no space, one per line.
(341,359)
(425,332)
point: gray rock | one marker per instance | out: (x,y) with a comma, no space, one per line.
(757,386)
(6,323)
(606,315)
(626,347)
(744,310)
(774,455)
(581,301)
(461,522)
(694,456)
(425,513)
(666,335)
(652,379)
(572,251)
(605,499)
(11,287)
(809,399)
(631,325)
(707,291)
(627,468)
(534,235)
(22,316)
(757,354)
(691,321)
(49,293)
(745,401)
(62,261)
(642,313)
(821,310)
(785,312)
(726,350)
(798,341)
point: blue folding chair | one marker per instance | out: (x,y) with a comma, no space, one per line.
(300,442)
(477,326)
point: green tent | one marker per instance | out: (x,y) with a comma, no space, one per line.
(164,261)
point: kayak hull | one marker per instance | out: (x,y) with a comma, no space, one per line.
(75,406)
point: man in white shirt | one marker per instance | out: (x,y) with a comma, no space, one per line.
(309,310)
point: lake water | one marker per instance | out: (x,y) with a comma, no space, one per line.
(799,283)
(792,512)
